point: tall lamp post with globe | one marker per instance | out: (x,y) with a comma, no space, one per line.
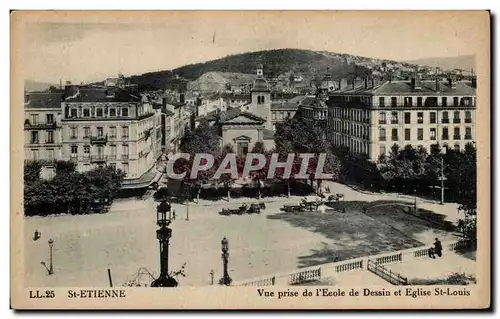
(163,234)
(225,280)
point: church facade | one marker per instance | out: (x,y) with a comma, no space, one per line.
(248,124)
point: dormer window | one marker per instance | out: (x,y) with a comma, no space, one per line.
(125,112)
(110,92)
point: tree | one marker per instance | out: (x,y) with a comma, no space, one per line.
(203,139)
(32,172)
(301,134)
(70,191)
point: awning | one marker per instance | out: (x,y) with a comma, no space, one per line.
(148,178)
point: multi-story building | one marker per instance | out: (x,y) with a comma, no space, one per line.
(371,118)
(111,126)
(284,109)
(42,127)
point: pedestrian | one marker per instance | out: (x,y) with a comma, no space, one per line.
(431,253)
(438,247)
(173,214)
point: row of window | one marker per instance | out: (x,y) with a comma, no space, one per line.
(100,150)
(354,146)
(34,119)
(35,137)
(383,148)
(99,131)
(420,134)
(420,117)
(281,115)
(429,101)
(99,112)
(352,114)
(356,130)
(35,154)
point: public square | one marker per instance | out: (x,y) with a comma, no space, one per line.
(124,239)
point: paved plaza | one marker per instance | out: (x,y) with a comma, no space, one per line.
(124,239)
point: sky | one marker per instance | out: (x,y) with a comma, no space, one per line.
(85,47)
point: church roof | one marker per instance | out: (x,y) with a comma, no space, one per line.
(260,84)
(234,113)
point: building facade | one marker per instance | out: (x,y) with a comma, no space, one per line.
(111,126)
(42,127)
(371,119)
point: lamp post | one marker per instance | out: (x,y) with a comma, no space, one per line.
(225,280)
(212,273)
(442,177)
(51,266)
(163,234)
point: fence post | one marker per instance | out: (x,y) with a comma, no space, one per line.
(273,280)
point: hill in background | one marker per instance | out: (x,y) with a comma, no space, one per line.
(34,86)
(463,62)
(309,64)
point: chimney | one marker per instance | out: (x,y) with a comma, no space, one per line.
(353,83)
(412,82)
(449,82)
(373,82)
(366,83)
(474,82)
(164,102)
(181,98)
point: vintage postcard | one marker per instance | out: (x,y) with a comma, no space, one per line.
(250,160)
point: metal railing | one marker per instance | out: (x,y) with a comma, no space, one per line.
(386,274)
(101,139)
(98,158)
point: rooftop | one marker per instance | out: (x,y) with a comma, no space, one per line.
(74,93)
(405,87)
(40,100)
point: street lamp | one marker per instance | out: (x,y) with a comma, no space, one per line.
(442,178)
(51,266)
(225,280)
(163,234)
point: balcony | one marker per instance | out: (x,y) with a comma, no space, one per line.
(420,121)
(34,141)
(445,121)
(382,122)
(39,126)
(98,158)
(381,138)
(394,138)
(73,137)
(456,137)
(394,121)
(124,156)
(445,137)
(468,120)
(147,133)
(111,157)
(468,137)
(99,139)
(456,121)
